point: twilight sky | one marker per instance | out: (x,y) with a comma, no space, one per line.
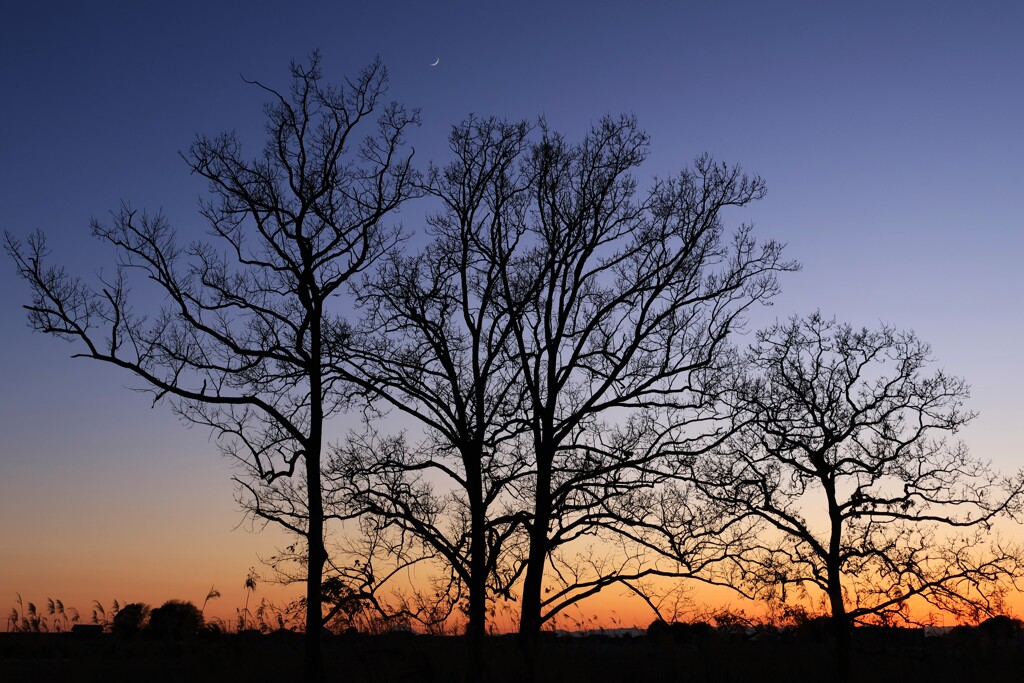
(889,134)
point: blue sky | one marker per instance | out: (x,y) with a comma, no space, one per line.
(889,135)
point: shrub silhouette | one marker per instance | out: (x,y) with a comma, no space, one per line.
(1001,627)
(657,629)
(690,632)
(680,631)
(130,619)
(175,619)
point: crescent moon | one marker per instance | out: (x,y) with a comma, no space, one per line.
(436,62)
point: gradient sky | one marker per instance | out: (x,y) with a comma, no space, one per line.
(889,134)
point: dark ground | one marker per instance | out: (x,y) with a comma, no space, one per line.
(877,656)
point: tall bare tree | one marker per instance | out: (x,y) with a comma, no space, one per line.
(844,452)
(434,345)
(620,299)
(245,343)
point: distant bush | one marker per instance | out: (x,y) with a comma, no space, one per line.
(683,631)
(175,619)
(680,631)
(130,619)
(657,629)
(1001,627)
(734,622)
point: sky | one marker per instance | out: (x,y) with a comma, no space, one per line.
(889,136)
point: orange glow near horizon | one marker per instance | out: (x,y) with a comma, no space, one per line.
(66,559)
(614,608)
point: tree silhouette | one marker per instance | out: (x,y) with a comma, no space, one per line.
(434,345)
(175,620)
(247,341)
(843,450)
(620,300)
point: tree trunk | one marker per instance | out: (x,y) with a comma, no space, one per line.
(476,628)
(314,666)
(530,618)
(840,625)
(313,663)
(530,615)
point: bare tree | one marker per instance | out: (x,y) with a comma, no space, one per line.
(843,450)
(434,346)
(246,342)
(621,300)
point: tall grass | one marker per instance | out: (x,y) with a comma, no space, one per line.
(27,618)
(55,616)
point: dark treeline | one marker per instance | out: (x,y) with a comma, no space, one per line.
(567,346)
(994,650)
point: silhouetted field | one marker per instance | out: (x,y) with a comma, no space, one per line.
(892,655)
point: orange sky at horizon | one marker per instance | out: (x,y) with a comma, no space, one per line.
(610,610)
